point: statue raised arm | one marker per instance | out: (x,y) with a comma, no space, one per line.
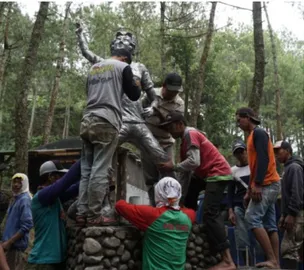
(83,45)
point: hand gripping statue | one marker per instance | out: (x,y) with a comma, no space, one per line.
(134,129)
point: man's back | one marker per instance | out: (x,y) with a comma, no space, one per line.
(213,164)
(166,234)
(105,90)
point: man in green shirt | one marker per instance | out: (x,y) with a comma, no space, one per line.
(166,226)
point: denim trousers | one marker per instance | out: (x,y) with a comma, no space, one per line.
(100,140)
(263,214)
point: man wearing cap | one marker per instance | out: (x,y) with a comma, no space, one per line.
(237,189)
(200,156)
(167,226)
(263,188)
(292,214)
(57,185)
(167,100)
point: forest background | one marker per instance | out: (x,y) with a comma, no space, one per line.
(43,74)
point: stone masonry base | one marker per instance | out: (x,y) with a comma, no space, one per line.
(119,248)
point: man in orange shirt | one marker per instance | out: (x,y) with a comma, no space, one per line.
(263,188)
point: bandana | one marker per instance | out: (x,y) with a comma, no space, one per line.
(168,193)
(25,184)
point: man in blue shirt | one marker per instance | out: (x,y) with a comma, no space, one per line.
(18,223)
(50,244)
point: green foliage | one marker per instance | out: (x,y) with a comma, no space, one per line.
(229,70)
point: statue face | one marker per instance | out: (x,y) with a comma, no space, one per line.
(124,40)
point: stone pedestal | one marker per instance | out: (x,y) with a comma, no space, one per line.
(120,248)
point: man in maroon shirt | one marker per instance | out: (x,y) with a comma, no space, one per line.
(200,157)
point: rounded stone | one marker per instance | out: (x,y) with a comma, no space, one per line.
(111,242)
(202,264)
(94,231)
(107,263)
(131,264)
(109,252)
(79,259)
(191,236)
(194,261)
(198,240)
(198,249)
(125,256)
(200,257)
(188,266)
(195,229)
(120,250)
(91,259)
(130,244)
(191,245)
(121,235)
(91,246)
(190,253)
(109,230)
(123,267)
(99,267)
(115,261)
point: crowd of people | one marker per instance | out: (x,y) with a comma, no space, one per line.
(115,114)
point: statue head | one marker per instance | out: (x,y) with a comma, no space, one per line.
(124,40)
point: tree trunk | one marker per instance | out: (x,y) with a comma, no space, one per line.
(259,71)
(276,78)
(22,85)
(6,48)
(59,70)
(2,8)
(201,76)
(162,37)
(187,88)
(3,90)
(67,115)
(30,130)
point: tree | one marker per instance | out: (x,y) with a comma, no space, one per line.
(59,70)
(162,36)
(198,94)
(259,70)
(276,78)
(22,85)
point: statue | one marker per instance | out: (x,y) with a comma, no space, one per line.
(134,129)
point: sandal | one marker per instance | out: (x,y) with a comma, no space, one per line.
(81,221)
(102,221)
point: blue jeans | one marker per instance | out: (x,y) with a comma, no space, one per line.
(100,140)
(262,214)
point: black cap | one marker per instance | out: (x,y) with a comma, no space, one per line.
(174,117)
(248,112)
(284,145)
(238,145)
(173,82)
